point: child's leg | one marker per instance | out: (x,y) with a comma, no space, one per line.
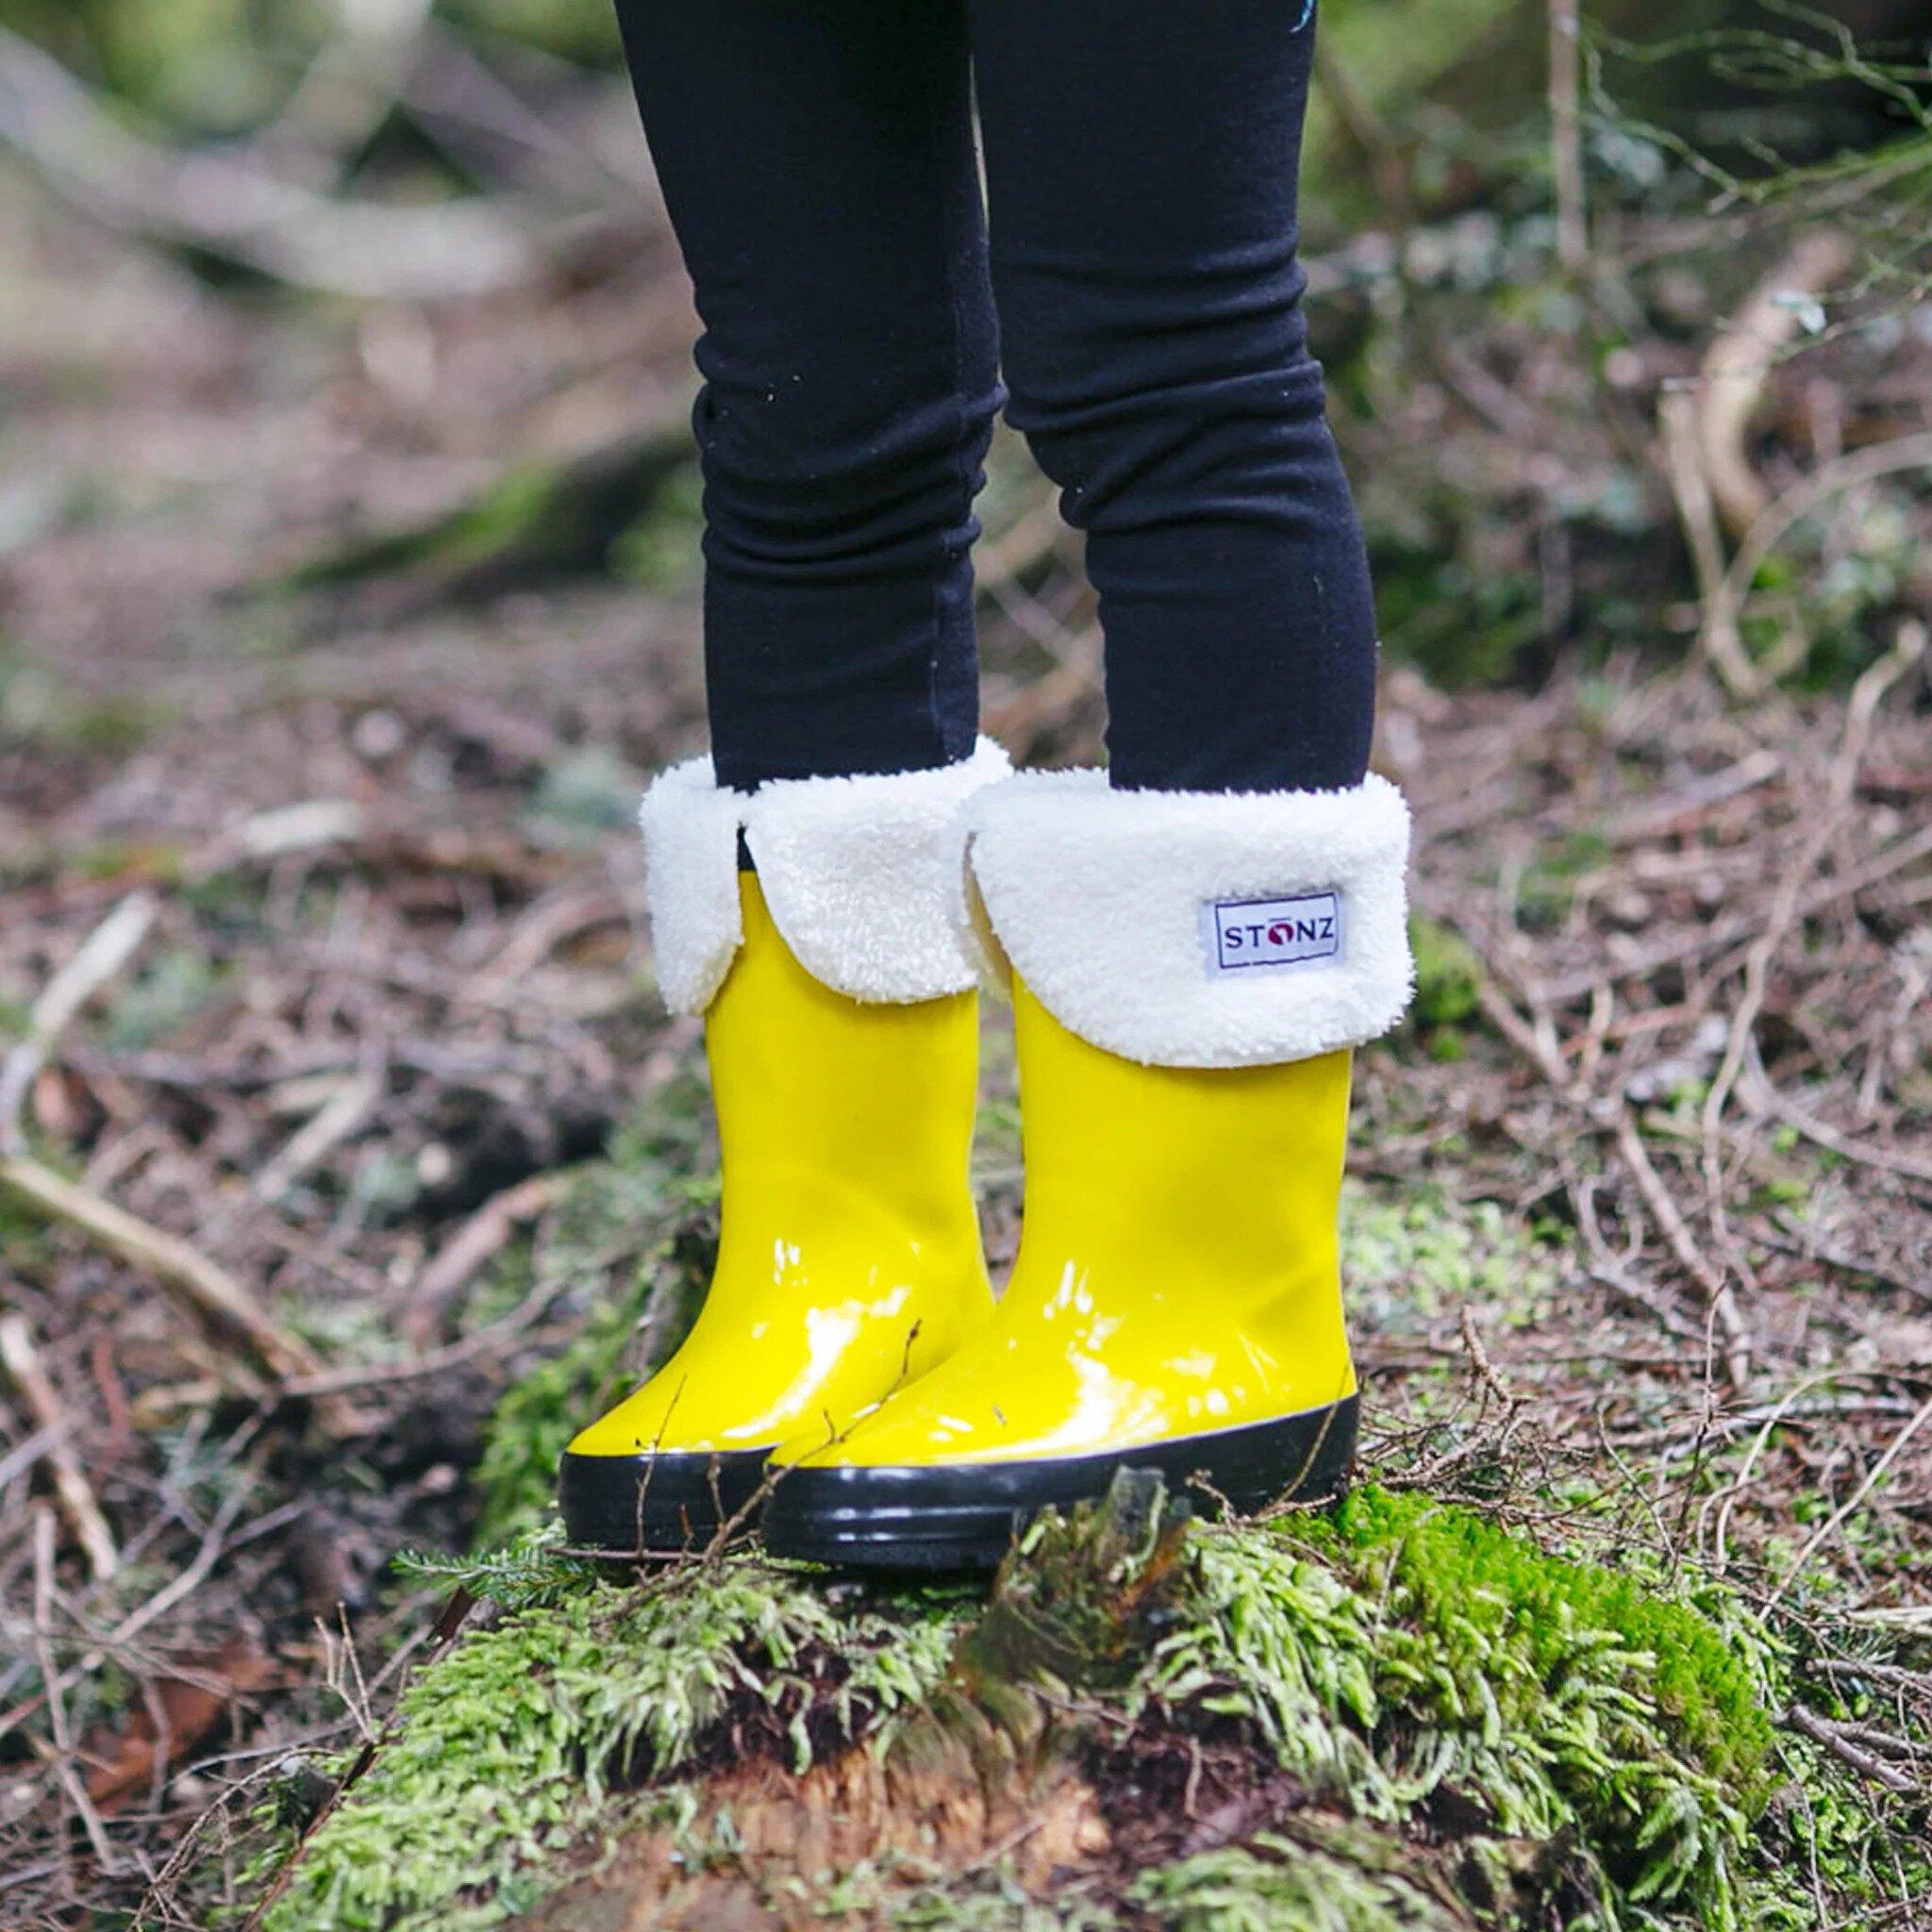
(1142,160)
(818,165)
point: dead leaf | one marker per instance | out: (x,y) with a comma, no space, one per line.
(175,1714)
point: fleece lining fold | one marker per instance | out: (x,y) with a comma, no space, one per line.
(855,872)
(1191,928)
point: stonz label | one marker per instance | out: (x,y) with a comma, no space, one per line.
(1249,934)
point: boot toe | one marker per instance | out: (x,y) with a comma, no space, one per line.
(671,1502)
(939,1517)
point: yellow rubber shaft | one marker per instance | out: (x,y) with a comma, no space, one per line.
(1178,1273)
(849,1256)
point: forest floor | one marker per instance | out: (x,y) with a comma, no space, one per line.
(1639,1233)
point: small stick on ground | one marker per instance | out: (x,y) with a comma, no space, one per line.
(72,1490)
(102,955)
(62,1746)
(202,1286)
(1738,364)
(486,1232)
(1821,1732)
(1479,1359)
(1724,1307)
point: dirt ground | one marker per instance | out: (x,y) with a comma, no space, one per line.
(1642,1196)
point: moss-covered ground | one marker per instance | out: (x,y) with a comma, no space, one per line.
(1396,1713)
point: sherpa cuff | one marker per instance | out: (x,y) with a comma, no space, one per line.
(1192,928)
(854,871)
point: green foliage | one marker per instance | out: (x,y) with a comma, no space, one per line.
(533,1572)
(1856,1855)
(1274,1884)
(1408,1253)
(1448,974)
(502,1746)
(1448,988)
(513,1742)
(1400,1648)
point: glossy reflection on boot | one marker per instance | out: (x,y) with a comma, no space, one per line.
(849,1256)
(1175,1303)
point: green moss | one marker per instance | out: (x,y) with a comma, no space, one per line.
(884,1896)
(1462,1567)
(1484,1732)
(1275,1885)
(511,1745)
(1448,991)
(1400,1648)
(1411,1253)
(1448,974)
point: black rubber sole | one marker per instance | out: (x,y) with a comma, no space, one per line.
(964,1515)
(654,1506)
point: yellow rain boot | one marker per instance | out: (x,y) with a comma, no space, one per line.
(842,1036)
(1188,973)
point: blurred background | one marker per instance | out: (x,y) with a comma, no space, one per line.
(348,574)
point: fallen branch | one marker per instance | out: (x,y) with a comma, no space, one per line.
(1679,422)
(1566,134)
(344,1116)
(1719,637)
(486,1232)
(1760,1093)
(1717,1289)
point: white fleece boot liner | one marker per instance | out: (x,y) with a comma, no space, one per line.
(1192,928)
(856,873)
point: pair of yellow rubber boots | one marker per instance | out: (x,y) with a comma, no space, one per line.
(1188,973)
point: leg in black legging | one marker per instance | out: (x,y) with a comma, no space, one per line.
(817,161)
(1141,160)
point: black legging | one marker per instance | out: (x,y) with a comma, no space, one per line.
(816,157)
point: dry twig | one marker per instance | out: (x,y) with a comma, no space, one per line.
(74,1493)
